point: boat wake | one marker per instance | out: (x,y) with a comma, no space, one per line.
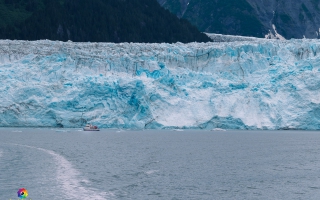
(67,177)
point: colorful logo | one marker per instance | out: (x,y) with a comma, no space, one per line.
(22,193)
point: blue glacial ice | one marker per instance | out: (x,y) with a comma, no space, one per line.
(258,84)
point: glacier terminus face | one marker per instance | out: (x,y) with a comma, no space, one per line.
(261,84)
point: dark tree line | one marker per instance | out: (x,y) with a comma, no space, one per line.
(96,21)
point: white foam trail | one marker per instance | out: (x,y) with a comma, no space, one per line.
(67,176)
(218,129)
(151,171)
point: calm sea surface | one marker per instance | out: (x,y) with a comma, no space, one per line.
(58,164)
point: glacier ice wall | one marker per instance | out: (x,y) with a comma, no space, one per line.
(262,84)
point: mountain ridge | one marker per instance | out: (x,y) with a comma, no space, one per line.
(291,18)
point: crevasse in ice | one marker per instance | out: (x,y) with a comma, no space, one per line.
(262,84)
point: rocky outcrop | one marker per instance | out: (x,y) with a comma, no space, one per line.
(291,18)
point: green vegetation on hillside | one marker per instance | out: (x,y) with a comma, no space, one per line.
(94,20)
(13,12)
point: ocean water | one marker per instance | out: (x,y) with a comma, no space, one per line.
(58,164)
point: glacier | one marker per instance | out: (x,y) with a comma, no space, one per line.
(256,84)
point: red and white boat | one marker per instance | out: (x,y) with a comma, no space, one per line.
(89,127)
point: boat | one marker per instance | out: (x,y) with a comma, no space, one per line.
(89,127)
